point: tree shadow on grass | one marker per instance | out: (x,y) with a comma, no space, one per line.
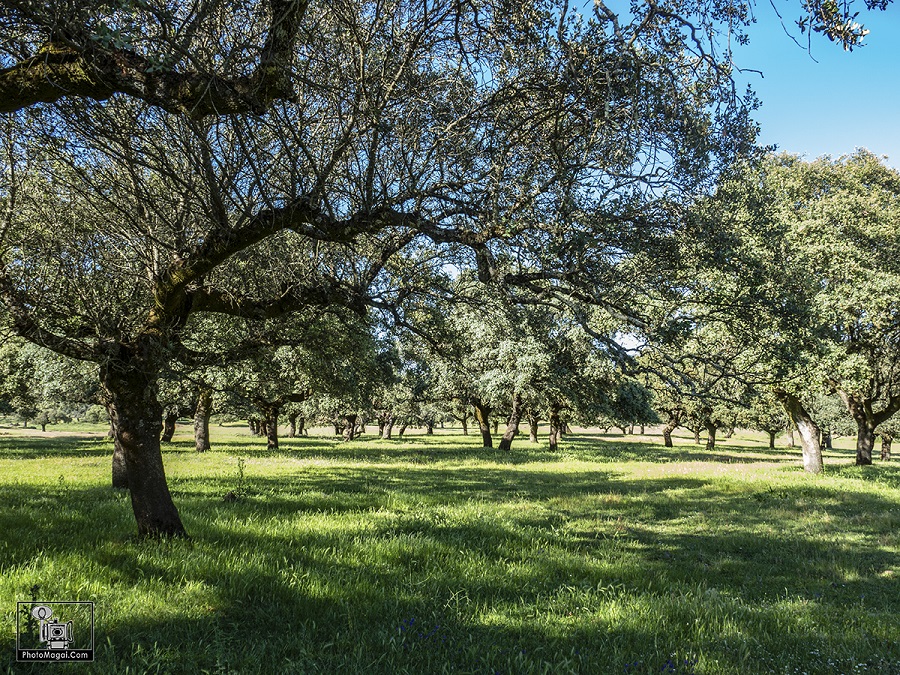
(431,561)
(36,447)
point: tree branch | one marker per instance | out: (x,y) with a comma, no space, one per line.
(90,71)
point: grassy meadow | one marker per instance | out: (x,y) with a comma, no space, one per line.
(431,555)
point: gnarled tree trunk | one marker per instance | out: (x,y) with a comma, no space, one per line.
(292,428)
(668,429)
(710,435)
(807,428)
(482,414)
(555,427)
(388,427)
(349,427)
(131,388)
(201,420)
(886,440)
(512,426)
(169,426)
(271,413)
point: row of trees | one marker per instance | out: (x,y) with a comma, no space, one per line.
(186,185)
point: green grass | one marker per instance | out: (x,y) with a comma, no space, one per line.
(431,555)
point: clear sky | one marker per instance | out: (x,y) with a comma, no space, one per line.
(835,103)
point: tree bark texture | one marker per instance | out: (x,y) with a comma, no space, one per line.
(292,428)
(271,423)
(119,469)
(771,440)
(349,427)
(201,420)
(886,440)
(667,436)
(512,426)
(169,427)
(388,427)
(807,428)
(131,388)
(555,427)
(482,415)
(710,435)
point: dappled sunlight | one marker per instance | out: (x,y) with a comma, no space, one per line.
(432,555)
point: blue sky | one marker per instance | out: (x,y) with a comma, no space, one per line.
(835,103)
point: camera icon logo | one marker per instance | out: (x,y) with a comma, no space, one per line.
(55,633)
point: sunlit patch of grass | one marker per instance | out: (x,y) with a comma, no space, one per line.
(429,554)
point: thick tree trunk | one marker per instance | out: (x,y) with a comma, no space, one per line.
(555,428)
(271,412)
(710,436)
(131,388)
(667,436)
(696,436)
(512,426)
(301,426)
(119,469)
(401,430)
(429,428)
(201,420)
(771,440)
(169,427)
(886,440)
(292,428)
(807,428)
(482,414)
(865,442)
(349,427)
(388,428)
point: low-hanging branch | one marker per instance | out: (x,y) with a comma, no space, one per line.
(85,68)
